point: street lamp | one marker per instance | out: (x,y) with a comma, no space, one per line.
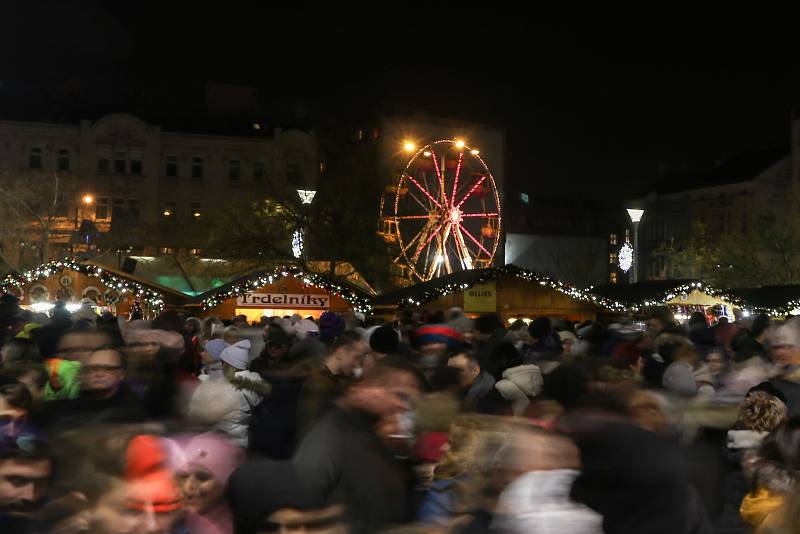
(636,216)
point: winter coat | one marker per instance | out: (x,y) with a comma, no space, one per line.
(343,460)
(519,385)
(251,389)
(734,486)
(761,508)
(439,506)
(546,349)
(789,384)
(482,385)
(538,502)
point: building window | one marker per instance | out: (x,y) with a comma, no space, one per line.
(166,251)
(101,209)
(612,277)
(195,252)
(35,158)
(376,133)
(294,174)
(612,239)
(136,162)
(627,235)
(134,209)
(258,171)
(120,162)
(197,168)
(172,167)
(102,165)
(234,166)
(322,167)
(360,135)
(197,211)
(169,209)
(612,258)
(62,163)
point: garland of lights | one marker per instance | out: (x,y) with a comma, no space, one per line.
(487,275)
(153,298)
(360,304)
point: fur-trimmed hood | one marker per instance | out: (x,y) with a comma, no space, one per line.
(250,381)
(763,473)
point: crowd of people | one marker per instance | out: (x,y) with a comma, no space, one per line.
(432,422)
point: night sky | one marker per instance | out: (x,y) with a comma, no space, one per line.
(603,105)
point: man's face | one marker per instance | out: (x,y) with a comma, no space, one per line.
(467,370)
(786,355)
(288,520)
(102,371)
(276,352)
(80,345)
(22,484)
(113,516)
(351,356)
(392,395)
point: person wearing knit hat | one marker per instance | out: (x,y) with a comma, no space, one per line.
(271,496)
(384,340)
(202,465)
(433,342)
(149,485)
(331,326)
(784,343)
(304,328)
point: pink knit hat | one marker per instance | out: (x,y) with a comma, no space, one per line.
(209,450)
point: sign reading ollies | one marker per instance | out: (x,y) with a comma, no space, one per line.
(481,298)
(283,300)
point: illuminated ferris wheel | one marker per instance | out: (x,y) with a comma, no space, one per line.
(446,215)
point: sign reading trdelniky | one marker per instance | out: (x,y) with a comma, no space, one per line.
(282,300)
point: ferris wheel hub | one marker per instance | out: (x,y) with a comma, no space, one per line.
(455,216)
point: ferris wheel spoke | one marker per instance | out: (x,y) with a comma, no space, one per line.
(466,257)
(469,235)
(413,240)
(471,191)
(420,216)
(440,176)
(425,192)
(477,215)
(424,244)
(455,182)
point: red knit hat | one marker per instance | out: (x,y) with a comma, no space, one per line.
(149,483)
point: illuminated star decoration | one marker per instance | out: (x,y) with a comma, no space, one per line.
(626,257)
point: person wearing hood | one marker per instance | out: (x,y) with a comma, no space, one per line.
(474,382)
(784,345)
(773,473)
(202,465)
(249,385)
(546,346)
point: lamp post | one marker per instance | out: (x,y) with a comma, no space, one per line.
(636,216)
(298,237)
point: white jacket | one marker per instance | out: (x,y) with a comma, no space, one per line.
(250,389)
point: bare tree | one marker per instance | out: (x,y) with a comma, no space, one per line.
(32,210)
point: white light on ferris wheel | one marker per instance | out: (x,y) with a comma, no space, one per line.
(626,257)
(439,258)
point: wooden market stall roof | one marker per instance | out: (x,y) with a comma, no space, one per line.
(660,292)
(357,297)
(424,292)
(123,282)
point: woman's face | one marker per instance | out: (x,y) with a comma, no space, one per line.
(200,490)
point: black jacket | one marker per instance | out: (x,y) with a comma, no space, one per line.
(344,461)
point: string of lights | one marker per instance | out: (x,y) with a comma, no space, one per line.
(360,303)
(152,298)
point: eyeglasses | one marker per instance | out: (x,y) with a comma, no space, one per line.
(108,369)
